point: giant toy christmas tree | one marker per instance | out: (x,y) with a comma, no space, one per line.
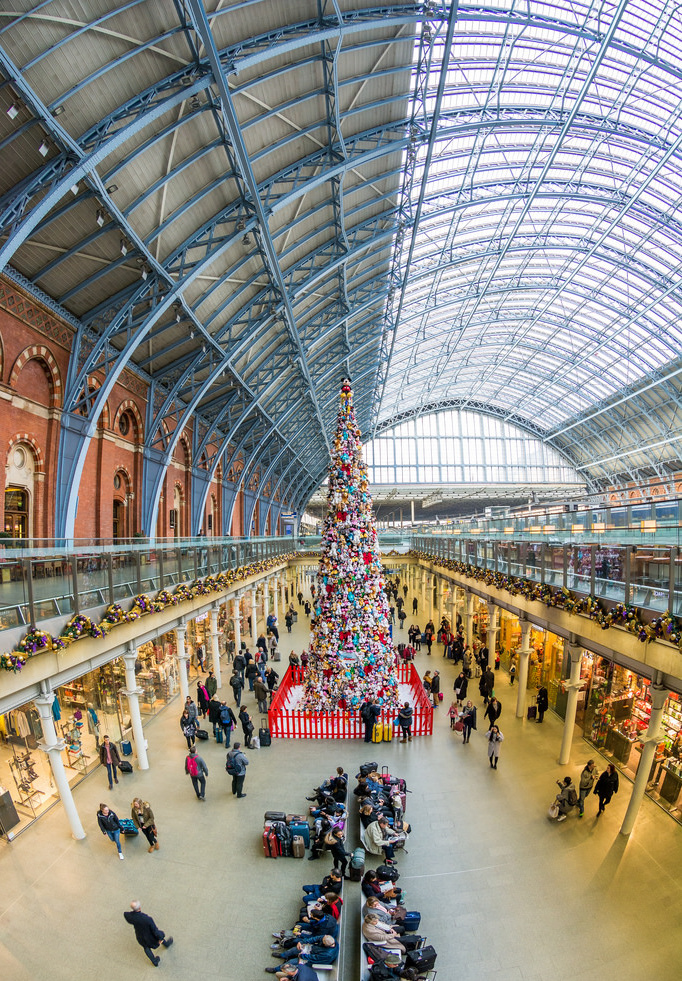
(351,655)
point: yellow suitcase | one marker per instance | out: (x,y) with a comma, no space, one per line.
(378,733)
(388,732)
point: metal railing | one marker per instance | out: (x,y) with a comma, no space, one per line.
(636,574)
(38,583)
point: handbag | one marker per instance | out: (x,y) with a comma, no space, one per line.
(459,726)
(553,811)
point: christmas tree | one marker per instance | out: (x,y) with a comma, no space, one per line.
(351,656)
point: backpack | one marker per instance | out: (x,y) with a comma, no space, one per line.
(572,796)
(192,766)
(225,714)
(231,765)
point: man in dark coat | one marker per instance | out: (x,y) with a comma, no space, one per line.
(543,703)
(147,933)
(369,712)
(237,685)
(405,720)
(486,685)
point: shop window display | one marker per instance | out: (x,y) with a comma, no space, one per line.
(26,783)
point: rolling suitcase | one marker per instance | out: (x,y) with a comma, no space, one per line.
(412,941)
(357,865)
(532,711)
(126,747)
(301,829)
(266,841)
(423,959)
(264,733)
(219,735)
(297,847)
(378,733)
(388,732)
(125,767)
(128,827)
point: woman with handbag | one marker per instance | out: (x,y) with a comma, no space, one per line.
(143,818)
(189,728)
(247,726)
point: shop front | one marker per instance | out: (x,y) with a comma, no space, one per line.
(84,711)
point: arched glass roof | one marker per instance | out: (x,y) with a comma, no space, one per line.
(240,201)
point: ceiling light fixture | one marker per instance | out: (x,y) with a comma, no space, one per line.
(13,112)
(112,188)
(246,240)
(74,189)
(144,272)
(191,335)
(58,110)
(124,247)
(100,217)
(43,149)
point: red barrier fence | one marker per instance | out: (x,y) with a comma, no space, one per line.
(344,723)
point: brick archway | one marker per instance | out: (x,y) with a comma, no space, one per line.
(38,352)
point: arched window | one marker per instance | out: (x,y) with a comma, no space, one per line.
(19,491)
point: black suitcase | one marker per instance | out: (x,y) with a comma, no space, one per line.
(368,768)
(411,941)
(128,827)
(264,733)
(125,767)
(423,959)
(532,711)
(202,734)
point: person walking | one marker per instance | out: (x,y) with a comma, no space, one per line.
(239,664)
(460,688)
(192,711)
(468,720)
(415,606)
(288,620)
(271,678)
(493,711)
(147,934)
(143,818)
(543,703)
(203,698)
(109,757)
(587,778)
(198,771)
(494,737)
(189,728)
(236,764)
(214,717)
(251,673)
(247,725)
(110,826)
(335,843)
(486,685)
(453,714)
(211,684)
(260,690)
(606,787)
(237,686)
(435,689)
(405,721)
(227,721)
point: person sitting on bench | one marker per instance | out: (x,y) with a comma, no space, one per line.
(377,839)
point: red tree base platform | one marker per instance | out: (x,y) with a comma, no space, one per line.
(345,723)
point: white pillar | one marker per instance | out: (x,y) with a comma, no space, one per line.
(453,608)
(493,628)
(254,617)
(575,654)
(275,599)
(265,585)
(650,740)
(132,692)
(215,647)
(182,659)
(237,620)
(53,746)
(524,659)
(469,619)
(282,587)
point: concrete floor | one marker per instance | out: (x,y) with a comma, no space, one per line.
(505,894)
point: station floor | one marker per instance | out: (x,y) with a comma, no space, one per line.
(505,894)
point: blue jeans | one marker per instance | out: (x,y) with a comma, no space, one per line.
(227,731)
(111,773)
(116,837)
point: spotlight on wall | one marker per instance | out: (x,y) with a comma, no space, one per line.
(43,149)
(13,112)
